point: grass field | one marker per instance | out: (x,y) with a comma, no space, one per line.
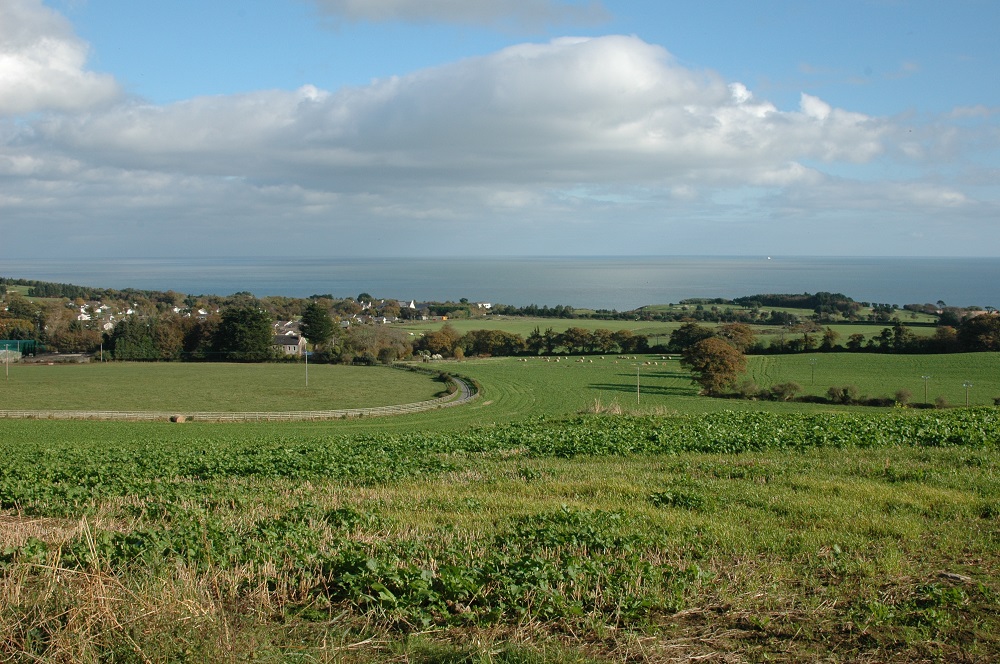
(210,386)
(882,375)
(511,388)
(658,332)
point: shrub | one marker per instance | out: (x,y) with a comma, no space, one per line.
(903,397)
(940,402)
(785,391)
(845,394)
(749,390)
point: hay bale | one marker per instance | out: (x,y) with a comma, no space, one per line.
(178,418)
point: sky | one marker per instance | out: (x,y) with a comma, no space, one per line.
(393,128)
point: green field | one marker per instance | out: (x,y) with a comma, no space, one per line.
(517,528)
(877,374)
(210,387)
(511,388)
(525,325)
(873,538)
(658,332)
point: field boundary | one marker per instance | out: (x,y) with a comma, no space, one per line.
(465,391)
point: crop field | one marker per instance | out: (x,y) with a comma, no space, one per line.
(210,386)
(794,537)
(522,527)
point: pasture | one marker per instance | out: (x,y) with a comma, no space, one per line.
(658,332)
(883,375)
(210,386)
(511,388)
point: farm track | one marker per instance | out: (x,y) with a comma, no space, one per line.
(463,394)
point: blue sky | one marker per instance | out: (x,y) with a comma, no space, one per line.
(479,127)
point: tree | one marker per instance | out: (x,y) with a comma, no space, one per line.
(980,333)
(131,339)
(739,335)
(830,337)
(535,342)
(441,342)
(688,335)
(492,342)
(715,363)
(945,340)
(244,335)
(317,326)
(576,340)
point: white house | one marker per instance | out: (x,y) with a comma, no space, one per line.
(289,344)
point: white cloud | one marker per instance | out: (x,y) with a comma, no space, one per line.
(607,110)
(531,14)
(42,63)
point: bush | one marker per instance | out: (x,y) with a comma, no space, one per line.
(903,397)
(940,402)
(388,355)
(749,390)
(785,391)
(846,394)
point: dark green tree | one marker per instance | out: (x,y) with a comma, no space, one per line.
(980,333)
(245,334)
(535,342)
(688,335)
(317,326)
(131,339)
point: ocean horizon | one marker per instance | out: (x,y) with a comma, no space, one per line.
(594,282)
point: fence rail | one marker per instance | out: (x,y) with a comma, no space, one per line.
(463,394)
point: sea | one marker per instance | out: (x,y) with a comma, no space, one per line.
(619,283)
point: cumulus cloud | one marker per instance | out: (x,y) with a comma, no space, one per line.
(42,63)
(611,109)
(530,14)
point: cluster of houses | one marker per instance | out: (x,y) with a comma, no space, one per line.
(101,314)
(103,317)
(287,338)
